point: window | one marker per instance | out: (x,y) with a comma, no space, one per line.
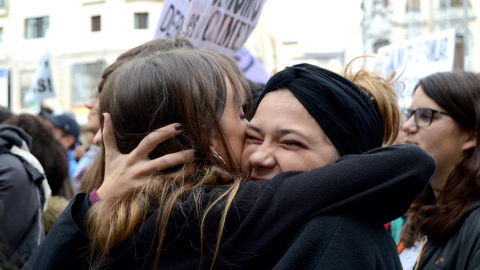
(141,20)
(452,3)
(36,27)
(85,79)
(96,23)
(412,5)
(3,3)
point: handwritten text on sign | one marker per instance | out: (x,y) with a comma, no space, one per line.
(222,26)
(419,57)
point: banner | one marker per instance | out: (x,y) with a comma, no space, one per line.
(221,25)
(4,87)
(42,83)
(419,57)
(251,66)
(172,18)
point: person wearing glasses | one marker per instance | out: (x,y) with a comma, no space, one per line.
(442,230)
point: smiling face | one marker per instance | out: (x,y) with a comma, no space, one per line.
(283,136)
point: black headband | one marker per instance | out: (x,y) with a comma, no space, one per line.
(344,112)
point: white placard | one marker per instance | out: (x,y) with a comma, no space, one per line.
(172,18)
(221,25)
(419,57)
(42,82)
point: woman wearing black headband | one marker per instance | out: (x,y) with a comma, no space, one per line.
(211,217)
(306,118)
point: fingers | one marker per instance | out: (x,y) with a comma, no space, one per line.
(152,140)
(170,160)
(109,139)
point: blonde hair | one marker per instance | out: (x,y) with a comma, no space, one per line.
(384,96)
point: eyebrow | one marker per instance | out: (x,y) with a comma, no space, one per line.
(282,132)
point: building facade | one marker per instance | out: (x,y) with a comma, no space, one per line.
(82,37)
(386,22)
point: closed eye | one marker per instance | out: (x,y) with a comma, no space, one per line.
(292,144)
(251,139)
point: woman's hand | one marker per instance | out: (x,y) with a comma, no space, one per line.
(130,171)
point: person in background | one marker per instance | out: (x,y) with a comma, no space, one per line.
(66,131)
(24,193)
(92,126)
(54,160)
(442,230)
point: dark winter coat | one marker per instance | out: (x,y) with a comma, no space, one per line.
(21,201)
(462,249)
(264,220)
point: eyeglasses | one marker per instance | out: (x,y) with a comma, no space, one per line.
(423,116)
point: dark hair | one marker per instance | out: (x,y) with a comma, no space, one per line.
(144,94)
(49,152)
(458,93)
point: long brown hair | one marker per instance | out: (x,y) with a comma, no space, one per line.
(458,93)
(144,94)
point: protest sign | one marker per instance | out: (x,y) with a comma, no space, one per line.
(221,25)
(251,66)
(172,18)
(42,82)
(419,57)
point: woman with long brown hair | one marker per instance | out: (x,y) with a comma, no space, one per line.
(158,204)
(444,221)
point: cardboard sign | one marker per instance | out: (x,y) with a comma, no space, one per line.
(172,18)
(222,25)
(419,57)
(42,83)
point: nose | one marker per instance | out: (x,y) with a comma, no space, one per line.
(262,157)
(409,126)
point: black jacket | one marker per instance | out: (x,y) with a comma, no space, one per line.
(462,250)
(341,241)
(21,200)
(264,219)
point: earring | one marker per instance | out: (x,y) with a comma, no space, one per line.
(219,157)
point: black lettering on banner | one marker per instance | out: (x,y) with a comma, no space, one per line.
(192,24)
(41,86)
(210,26)
(225,31)
(172,22)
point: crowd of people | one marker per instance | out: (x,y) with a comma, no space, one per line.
(190,165)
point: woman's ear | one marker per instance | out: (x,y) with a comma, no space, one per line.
(471,140)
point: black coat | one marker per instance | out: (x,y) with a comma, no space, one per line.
(264,218)
(462,249)
(21,201)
